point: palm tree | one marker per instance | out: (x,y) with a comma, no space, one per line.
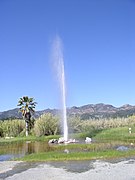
(27,106)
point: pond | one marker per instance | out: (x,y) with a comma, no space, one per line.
(16,150)
(10,151)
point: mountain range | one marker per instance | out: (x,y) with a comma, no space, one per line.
(84,112)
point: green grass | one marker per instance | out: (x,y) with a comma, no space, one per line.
(55,156)
(28,138)
(91,133)
(117,134)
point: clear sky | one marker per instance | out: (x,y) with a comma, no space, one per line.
(99,51)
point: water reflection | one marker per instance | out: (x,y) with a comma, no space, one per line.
(13,150)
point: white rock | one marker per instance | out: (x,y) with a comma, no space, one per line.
(88,140)
(53,141)
(61,140)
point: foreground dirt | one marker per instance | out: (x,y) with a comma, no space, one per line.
(101,170)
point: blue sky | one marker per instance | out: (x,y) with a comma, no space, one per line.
(99,51)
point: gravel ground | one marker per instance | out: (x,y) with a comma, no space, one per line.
(124,170)
(7,165)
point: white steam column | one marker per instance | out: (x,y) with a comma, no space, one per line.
(59,67)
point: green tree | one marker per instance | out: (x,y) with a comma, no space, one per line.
(27,106)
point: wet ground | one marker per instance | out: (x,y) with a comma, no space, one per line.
(122,169)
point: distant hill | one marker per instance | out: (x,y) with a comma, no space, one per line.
(84,112)
(101,111)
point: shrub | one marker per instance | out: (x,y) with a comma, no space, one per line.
(74,125)
(11,127)
(46,124)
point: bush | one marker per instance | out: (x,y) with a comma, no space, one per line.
(74,125)
(46,124)
(11,127)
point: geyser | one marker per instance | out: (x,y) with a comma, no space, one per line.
(59,67)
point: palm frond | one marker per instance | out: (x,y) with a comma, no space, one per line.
(26,105)
(31,109)
(31,100)
(25,99)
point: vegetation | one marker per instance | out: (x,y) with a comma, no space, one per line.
(27,107)
(54,156)
(12,128)
(47,124)
(107,134)
(115,134)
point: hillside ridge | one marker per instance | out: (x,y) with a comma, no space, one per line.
(87,111)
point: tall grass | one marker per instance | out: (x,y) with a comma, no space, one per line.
(107,123)
(13,128)
(48,124)
(92,127)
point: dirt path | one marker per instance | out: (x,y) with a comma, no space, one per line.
(124,170)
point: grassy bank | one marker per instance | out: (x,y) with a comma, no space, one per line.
(51,156)
(116,134)
(28,138)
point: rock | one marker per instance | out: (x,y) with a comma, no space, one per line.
(122,148)
(55,141)
(70,141)
(61,140)
(88,140)
(66,151)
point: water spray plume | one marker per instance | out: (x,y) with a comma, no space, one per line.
(59,67)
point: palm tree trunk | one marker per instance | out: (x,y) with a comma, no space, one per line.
(27,130)
(27,120)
